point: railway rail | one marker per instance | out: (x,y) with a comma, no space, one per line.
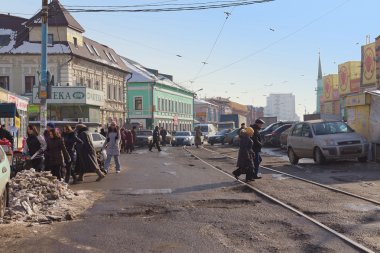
(343,237)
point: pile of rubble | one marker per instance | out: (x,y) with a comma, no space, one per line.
(38,197)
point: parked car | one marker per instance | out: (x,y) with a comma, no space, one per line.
(218,137)
(202,137)
(274,137)
(229,138)
(144,138)
(269,129)
(98,141)
(5,174)
(284,138)
(325,140)
(183,138)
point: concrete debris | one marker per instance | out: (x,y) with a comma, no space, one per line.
(38,197)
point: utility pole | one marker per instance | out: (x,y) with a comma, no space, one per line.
(43,85)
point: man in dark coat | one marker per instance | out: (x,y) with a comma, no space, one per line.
(86,154)
(134,136)
(257,145)
(246,155)
(156,139)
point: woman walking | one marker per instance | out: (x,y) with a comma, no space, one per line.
(112,147)
(57,154)
(198,137)
(86,154)
(35,148)
(71,141)
(246,155)
(129,141)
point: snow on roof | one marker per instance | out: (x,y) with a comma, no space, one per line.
(200,101)
(12,34)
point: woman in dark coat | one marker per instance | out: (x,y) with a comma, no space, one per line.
(71,141)
(129,140)
(35,148)
(246,155)
(57,154)
(86,154)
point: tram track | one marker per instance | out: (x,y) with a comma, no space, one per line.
(314,217)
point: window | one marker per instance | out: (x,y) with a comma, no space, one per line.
(29,83)
(109,91)
(176,107)
(120,93)
(306,130)
(75,41)
(88,48)
(97,85)
(114,92)
(170,106)
(81,81)
(89,83)
(297,131)
(5,39)
(159,104)
(50,40)
(96,51)
(138,103)
(96,137)
(4,82)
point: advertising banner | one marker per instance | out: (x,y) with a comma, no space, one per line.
(369,64)
(330,87)
(349,77)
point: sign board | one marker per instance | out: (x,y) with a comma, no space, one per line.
(369,64)
(21,104)
(355,100)
(72,95)
(330,87)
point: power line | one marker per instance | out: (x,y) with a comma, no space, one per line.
(188,7)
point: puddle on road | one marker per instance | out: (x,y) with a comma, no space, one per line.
(279,177)
(149,191)
(362,207)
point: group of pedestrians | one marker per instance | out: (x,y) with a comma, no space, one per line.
(128,139)
(249,157)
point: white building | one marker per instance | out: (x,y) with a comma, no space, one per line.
(282,106)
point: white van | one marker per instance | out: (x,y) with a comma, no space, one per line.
(207,129)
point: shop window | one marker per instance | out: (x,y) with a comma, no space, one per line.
(138,103)
(29,83)
(50,40)
(4,82)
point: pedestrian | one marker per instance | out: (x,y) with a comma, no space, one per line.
(5,134)
(156,139)
(198,136)
(129,141)
(86,154)
(242,126)
(71,141)
(112,147)
(35,147)
(102,132)
(246,155)
(163,134)
(257,145)
(123,140)
(134,136)
(57,155)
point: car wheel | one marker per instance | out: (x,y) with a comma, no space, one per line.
(318,157)
(293,159)
(363,159)
(3,202)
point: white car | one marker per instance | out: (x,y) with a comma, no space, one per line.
(5,175)
(325,140)
(98,141)
(183,138)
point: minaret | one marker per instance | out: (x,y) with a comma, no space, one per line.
(319,89)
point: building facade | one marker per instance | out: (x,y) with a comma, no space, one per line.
(206,112)
(281,106)
(155,100)
(88,78)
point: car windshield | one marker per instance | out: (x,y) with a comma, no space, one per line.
(331,128)
(223,132)
(182,134)
(204,128)
(144,133)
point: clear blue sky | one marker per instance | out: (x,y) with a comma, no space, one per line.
(280,61)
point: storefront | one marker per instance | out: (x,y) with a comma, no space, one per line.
(15,115)
(70,103)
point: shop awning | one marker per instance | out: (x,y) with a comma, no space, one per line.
(8,110)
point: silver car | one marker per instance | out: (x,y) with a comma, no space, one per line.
(325,140)
(98,141)
(182,138)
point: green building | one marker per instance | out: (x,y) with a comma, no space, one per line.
(153,99)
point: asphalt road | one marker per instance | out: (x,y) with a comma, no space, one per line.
(171,202)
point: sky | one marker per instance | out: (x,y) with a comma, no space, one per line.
(260,49)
